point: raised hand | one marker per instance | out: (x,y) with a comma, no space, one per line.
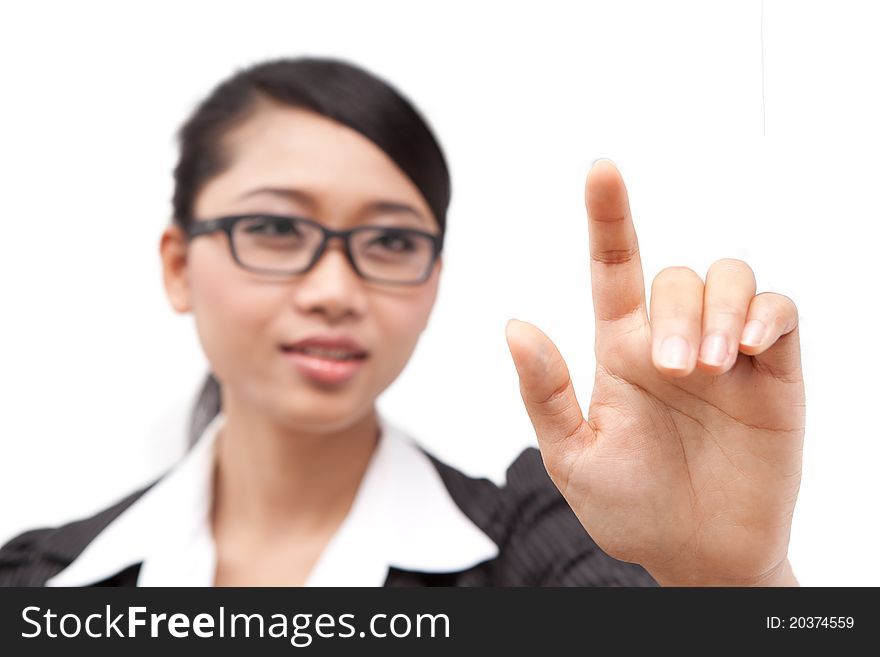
(689,461)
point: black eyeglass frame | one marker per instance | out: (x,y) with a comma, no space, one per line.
(227,225)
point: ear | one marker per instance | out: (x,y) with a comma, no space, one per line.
(173,251)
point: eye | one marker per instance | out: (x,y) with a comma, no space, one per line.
(272,226)
(396,241)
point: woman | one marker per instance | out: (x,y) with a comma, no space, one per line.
(309,214)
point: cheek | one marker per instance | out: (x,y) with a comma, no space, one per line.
(400,323)
(231,312)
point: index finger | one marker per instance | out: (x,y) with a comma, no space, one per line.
(615,266)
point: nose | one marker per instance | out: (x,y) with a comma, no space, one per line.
(331,287)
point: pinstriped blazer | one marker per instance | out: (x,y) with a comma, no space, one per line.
(541,542)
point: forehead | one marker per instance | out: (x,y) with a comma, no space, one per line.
(285,147)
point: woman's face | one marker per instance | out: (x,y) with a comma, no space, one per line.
(244,318)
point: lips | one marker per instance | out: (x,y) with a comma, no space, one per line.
(326,359)
(328,346)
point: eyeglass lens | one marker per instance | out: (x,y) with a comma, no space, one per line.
(287,245)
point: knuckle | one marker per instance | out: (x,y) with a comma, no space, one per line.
(615,256)
(775,308)
(732,265)
(721,308)
(787,307)
(789,303)
(777,299)
(558,397)
(674,276)
(677,270)
(730,280)
(612,219)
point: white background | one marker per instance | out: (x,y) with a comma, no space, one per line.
(727,153)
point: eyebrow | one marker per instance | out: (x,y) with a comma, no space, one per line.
(375,207)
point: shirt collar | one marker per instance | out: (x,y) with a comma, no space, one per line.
(402,516)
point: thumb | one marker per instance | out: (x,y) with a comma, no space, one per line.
(547,391)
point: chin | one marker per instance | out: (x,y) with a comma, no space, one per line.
(319,411)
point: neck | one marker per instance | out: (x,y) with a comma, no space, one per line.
(272,478)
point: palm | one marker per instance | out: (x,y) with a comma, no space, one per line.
(692,472)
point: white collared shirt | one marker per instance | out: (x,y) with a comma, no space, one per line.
(402,515)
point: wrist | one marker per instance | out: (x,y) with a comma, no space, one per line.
(781,575)
(785,577)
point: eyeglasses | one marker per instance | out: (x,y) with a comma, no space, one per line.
(285,245)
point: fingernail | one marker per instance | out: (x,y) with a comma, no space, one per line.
(599,159)
(753,333)
(675,353)
(713,350)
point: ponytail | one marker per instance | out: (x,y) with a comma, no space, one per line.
(206,408)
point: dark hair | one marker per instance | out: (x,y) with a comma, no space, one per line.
(338,90)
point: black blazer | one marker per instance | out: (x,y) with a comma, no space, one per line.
(541,542)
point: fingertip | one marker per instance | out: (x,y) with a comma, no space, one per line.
(510,326)
(517,340)
(607,160)
(603,171)
(605,191)
(523,336)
